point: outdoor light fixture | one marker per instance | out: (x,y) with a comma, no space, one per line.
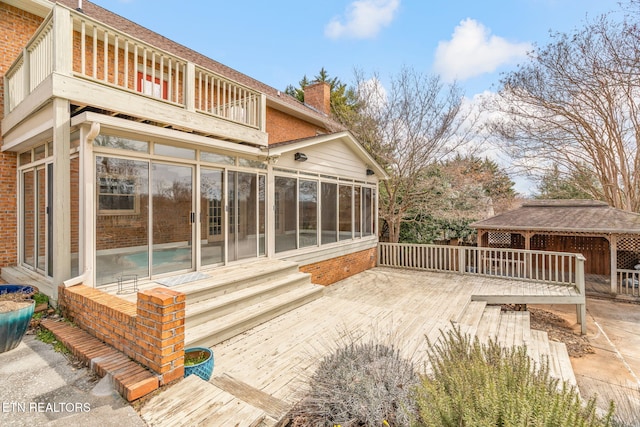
(370,172)
(300,157)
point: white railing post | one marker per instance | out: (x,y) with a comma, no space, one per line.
(62,41)
(190,87)
(462,259)
(581,309)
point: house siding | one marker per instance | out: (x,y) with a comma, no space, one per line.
(16,28)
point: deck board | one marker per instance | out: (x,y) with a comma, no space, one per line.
(398,307)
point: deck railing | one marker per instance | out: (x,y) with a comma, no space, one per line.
(542,266)
(628,282)
(104,55)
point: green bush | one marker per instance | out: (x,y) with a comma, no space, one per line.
(471,384)
(361,384)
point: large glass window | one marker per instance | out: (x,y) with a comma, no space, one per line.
(357,211)
(329,216)
(308,207)
(368,218)
(122,242)
(345,205)
(213,216)
(285,213)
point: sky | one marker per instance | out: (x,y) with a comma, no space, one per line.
(277,42)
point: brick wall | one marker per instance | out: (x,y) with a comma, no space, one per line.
(283,127)
(150,332)
(16,28)
(335,269)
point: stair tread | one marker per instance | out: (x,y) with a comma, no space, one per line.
(239,273)
(208,304)
(230,320)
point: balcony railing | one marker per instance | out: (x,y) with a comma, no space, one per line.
(104,55)
(628,282)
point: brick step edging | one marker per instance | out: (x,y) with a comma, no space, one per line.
(131,379)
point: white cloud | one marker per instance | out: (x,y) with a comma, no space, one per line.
(473,50)
(364,19)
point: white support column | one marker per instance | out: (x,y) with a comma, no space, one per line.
(87,202)
(61,211)
(271,209)
(613,250)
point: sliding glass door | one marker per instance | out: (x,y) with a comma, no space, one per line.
(173,218)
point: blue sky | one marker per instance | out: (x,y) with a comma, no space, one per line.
(279,41)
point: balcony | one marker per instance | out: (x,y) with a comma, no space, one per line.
(91,64)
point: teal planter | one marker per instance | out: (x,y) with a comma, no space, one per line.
(13,325)
(203,369)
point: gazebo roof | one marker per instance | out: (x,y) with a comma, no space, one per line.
(575,216)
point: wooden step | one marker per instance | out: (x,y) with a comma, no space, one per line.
(214,331)
(194,401)
(470,317)
(131,379)
(562,362)
(489,323)
(230,279)
(217,306)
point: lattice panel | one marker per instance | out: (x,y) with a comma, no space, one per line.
(628,253)
(629,244)
(499,239)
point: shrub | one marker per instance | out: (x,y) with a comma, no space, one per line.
(485,385)
(361,384)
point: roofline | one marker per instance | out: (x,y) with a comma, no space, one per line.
(345,136)
(39,8)
(476,225)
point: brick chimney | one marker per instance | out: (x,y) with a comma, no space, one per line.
(318,95)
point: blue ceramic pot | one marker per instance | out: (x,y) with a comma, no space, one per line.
(203,369)
(13,325)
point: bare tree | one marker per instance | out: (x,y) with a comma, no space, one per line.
(574,107)
(417,122)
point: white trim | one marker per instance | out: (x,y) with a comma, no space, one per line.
(115,123)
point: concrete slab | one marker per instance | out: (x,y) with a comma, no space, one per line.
(41,388)
(613,371)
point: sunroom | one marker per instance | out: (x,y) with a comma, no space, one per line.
(135,163)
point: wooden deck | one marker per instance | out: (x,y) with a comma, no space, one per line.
(396,306)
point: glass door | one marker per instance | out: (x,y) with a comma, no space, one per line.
(213,216)
(173,218)
(246,194)
(37,197)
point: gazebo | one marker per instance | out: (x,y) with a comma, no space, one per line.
(608,238)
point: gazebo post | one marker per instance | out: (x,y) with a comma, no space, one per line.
(613,250)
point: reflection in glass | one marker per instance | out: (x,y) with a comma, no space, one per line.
(308,207)
(285,213)
(171,151)
(111,141)
(28,218)
(345,207)
(217,158)
(329,213)
(367,202)
(172,189)
(122,240)
(213,216)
